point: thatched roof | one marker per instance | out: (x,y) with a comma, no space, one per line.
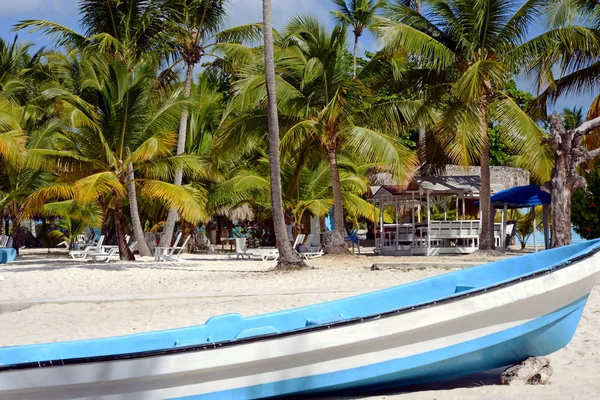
(241,213)
(501,177)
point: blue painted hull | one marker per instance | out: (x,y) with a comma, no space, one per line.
(536,338)
(442,327)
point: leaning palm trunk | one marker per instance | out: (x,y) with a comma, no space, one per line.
(334,243)
(288,258)
(172,216)
(138,231)
(125,253)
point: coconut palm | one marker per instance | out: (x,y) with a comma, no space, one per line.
(118,124)
(287,257)
(472,40)
(128,30)
(193,32)
(322,109)
(74,220)
(359,15)
(565,58)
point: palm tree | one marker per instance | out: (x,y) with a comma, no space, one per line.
(287,257)
(571,47)
(118,123)
(306,188)
(472,42)
(193,33)
(322,109)
(128,30)
(565,58)
(359,15)
(573,117)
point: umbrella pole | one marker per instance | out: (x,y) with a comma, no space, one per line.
(534,235)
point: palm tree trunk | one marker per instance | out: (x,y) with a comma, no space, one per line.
(288,258)
(124,251)
(336,187)
(561,204)
(335,244)
(181,139)
(486,237)
(422,148)
(138,230)
(354,54)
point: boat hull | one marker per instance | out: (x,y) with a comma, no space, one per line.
(470,333)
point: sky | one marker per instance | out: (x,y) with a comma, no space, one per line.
(65,12)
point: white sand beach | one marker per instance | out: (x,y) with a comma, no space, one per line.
(48,297)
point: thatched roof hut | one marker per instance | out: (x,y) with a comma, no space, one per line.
(506,177)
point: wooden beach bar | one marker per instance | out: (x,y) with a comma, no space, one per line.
(433,215)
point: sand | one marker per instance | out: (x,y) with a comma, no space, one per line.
(47,297)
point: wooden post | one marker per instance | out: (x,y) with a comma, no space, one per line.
(503,241)
(545,209)
(381,230)
(534,231)
(457,207)
(396,238)
(428,225)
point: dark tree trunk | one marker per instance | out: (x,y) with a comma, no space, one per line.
(486,237)
(569,154)
(124,251)
(330,242)
(336,244)
(181,139)
(288,258)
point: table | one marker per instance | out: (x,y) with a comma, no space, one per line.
(231,242)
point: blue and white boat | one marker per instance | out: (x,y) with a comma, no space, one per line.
(455,324)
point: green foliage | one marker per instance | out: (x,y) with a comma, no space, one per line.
(585,211)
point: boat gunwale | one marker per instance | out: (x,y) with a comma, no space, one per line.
(299,331)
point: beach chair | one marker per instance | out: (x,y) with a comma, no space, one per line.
(3,241)
(170,253)
(103,255)
(306,254)
(161,252)
(82,242)
(240,249)
(82,254)
(174,252)
(274,253)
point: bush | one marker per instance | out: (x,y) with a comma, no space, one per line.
(585,214)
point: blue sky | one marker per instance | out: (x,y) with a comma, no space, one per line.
(241,11)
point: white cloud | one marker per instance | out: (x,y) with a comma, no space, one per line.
(42,9)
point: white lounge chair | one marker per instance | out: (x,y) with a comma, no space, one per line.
(88,249)
(240,249)
(103,255)
(308,254)
(170,253)
(106,254)
(274,253)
